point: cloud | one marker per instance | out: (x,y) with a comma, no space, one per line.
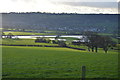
(84,0)
(57,6)
(93,4)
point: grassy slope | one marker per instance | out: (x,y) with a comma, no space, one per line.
(35,62)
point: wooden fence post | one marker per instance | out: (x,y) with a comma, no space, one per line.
(83,72)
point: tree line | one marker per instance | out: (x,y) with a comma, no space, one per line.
(94,41)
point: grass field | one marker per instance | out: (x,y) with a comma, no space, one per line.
(28,33)
(47,62)
(24,42)
(106,34)
(79,46)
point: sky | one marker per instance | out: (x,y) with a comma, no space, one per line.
(60,6)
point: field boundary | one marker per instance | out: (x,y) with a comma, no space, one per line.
(76,48)
(43,46)
(29,45)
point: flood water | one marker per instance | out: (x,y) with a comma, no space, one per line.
(49,36)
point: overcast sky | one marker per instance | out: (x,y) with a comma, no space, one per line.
(59,6)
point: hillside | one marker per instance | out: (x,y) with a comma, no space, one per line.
(62,22)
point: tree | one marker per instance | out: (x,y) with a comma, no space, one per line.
(105,43)
(76,43)
(92,40)
(62,43)
(10,35)
(42,40)
(95,41)
(2,34)
(55,41)
(58,36)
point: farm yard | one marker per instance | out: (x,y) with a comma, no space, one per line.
(51,62)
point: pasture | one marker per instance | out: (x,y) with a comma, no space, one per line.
(49,62)
(28,33)
(24,42)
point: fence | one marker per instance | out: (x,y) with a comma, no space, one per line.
(80,76)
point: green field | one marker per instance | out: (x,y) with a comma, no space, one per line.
(47,62)
(106,34)
(28,33)
(24,42)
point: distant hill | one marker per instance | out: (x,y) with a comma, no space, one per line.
(65,22)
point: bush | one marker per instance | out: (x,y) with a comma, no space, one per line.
(62,44)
